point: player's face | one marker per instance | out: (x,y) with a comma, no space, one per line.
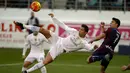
(82,32)
(113,24)
(35,33)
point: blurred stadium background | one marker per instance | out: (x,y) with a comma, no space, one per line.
(73,13)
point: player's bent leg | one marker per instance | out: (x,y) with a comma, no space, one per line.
(124,68)
(102,69)
(93,58)
(26,64)
(104,64)
(89,60)
(47,60)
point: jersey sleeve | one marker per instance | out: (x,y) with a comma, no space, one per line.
(64,26)
(88,46)
(26,45)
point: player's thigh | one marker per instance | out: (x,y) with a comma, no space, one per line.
(54,38)
(55,51)
(106,60)
(27,63)
(29,59)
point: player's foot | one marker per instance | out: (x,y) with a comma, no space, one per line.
(24,71)
(124,68)
(19,24)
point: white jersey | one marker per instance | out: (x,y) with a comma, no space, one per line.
(73,41)
(36,44)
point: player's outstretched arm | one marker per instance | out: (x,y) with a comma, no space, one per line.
(61,24)
(90,47)
(102,26)
(98,38)
(26,46)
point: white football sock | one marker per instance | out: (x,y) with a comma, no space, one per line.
(32,28)
(23,68)
(43,70)
(35,67)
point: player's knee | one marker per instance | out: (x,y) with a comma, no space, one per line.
(26,64)
(89,60)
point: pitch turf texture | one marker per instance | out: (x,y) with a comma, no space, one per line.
(11,62)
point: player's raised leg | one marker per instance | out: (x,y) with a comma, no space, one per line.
(45,32)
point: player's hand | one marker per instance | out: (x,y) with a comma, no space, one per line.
(91,41)
(51,14)
(123,68)
(14,22)
(23,56)
(102,24)
(95,46)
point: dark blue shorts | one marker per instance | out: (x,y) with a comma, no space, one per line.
(104,55)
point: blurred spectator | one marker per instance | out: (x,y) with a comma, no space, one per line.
(92,4)
(128,4)
(23,3)
(49,4)
(106,4)
(70,4)
(33,21)
(81,4)
(119,2)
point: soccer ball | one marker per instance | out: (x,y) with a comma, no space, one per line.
(35,6)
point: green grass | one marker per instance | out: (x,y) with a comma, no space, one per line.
(65,63)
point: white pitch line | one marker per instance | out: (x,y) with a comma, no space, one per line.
(72,65)
(80,65)
(11,64)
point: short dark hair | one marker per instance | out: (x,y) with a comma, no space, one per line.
(117,21)
(85,27)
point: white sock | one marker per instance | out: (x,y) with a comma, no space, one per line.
(43,69)
(35,67)
(32,28)
(23,68)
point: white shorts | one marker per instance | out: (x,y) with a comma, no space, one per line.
(32,57)
(56,48)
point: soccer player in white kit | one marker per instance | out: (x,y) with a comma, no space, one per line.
(35,41)
(75,41)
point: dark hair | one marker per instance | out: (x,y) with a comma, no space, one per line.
(85,27)
(117,21)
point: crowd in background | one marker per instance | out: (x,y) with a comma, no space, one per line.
(72,4)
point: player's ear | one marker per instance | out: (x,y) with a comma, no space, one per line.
(86,32)
(117,25)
